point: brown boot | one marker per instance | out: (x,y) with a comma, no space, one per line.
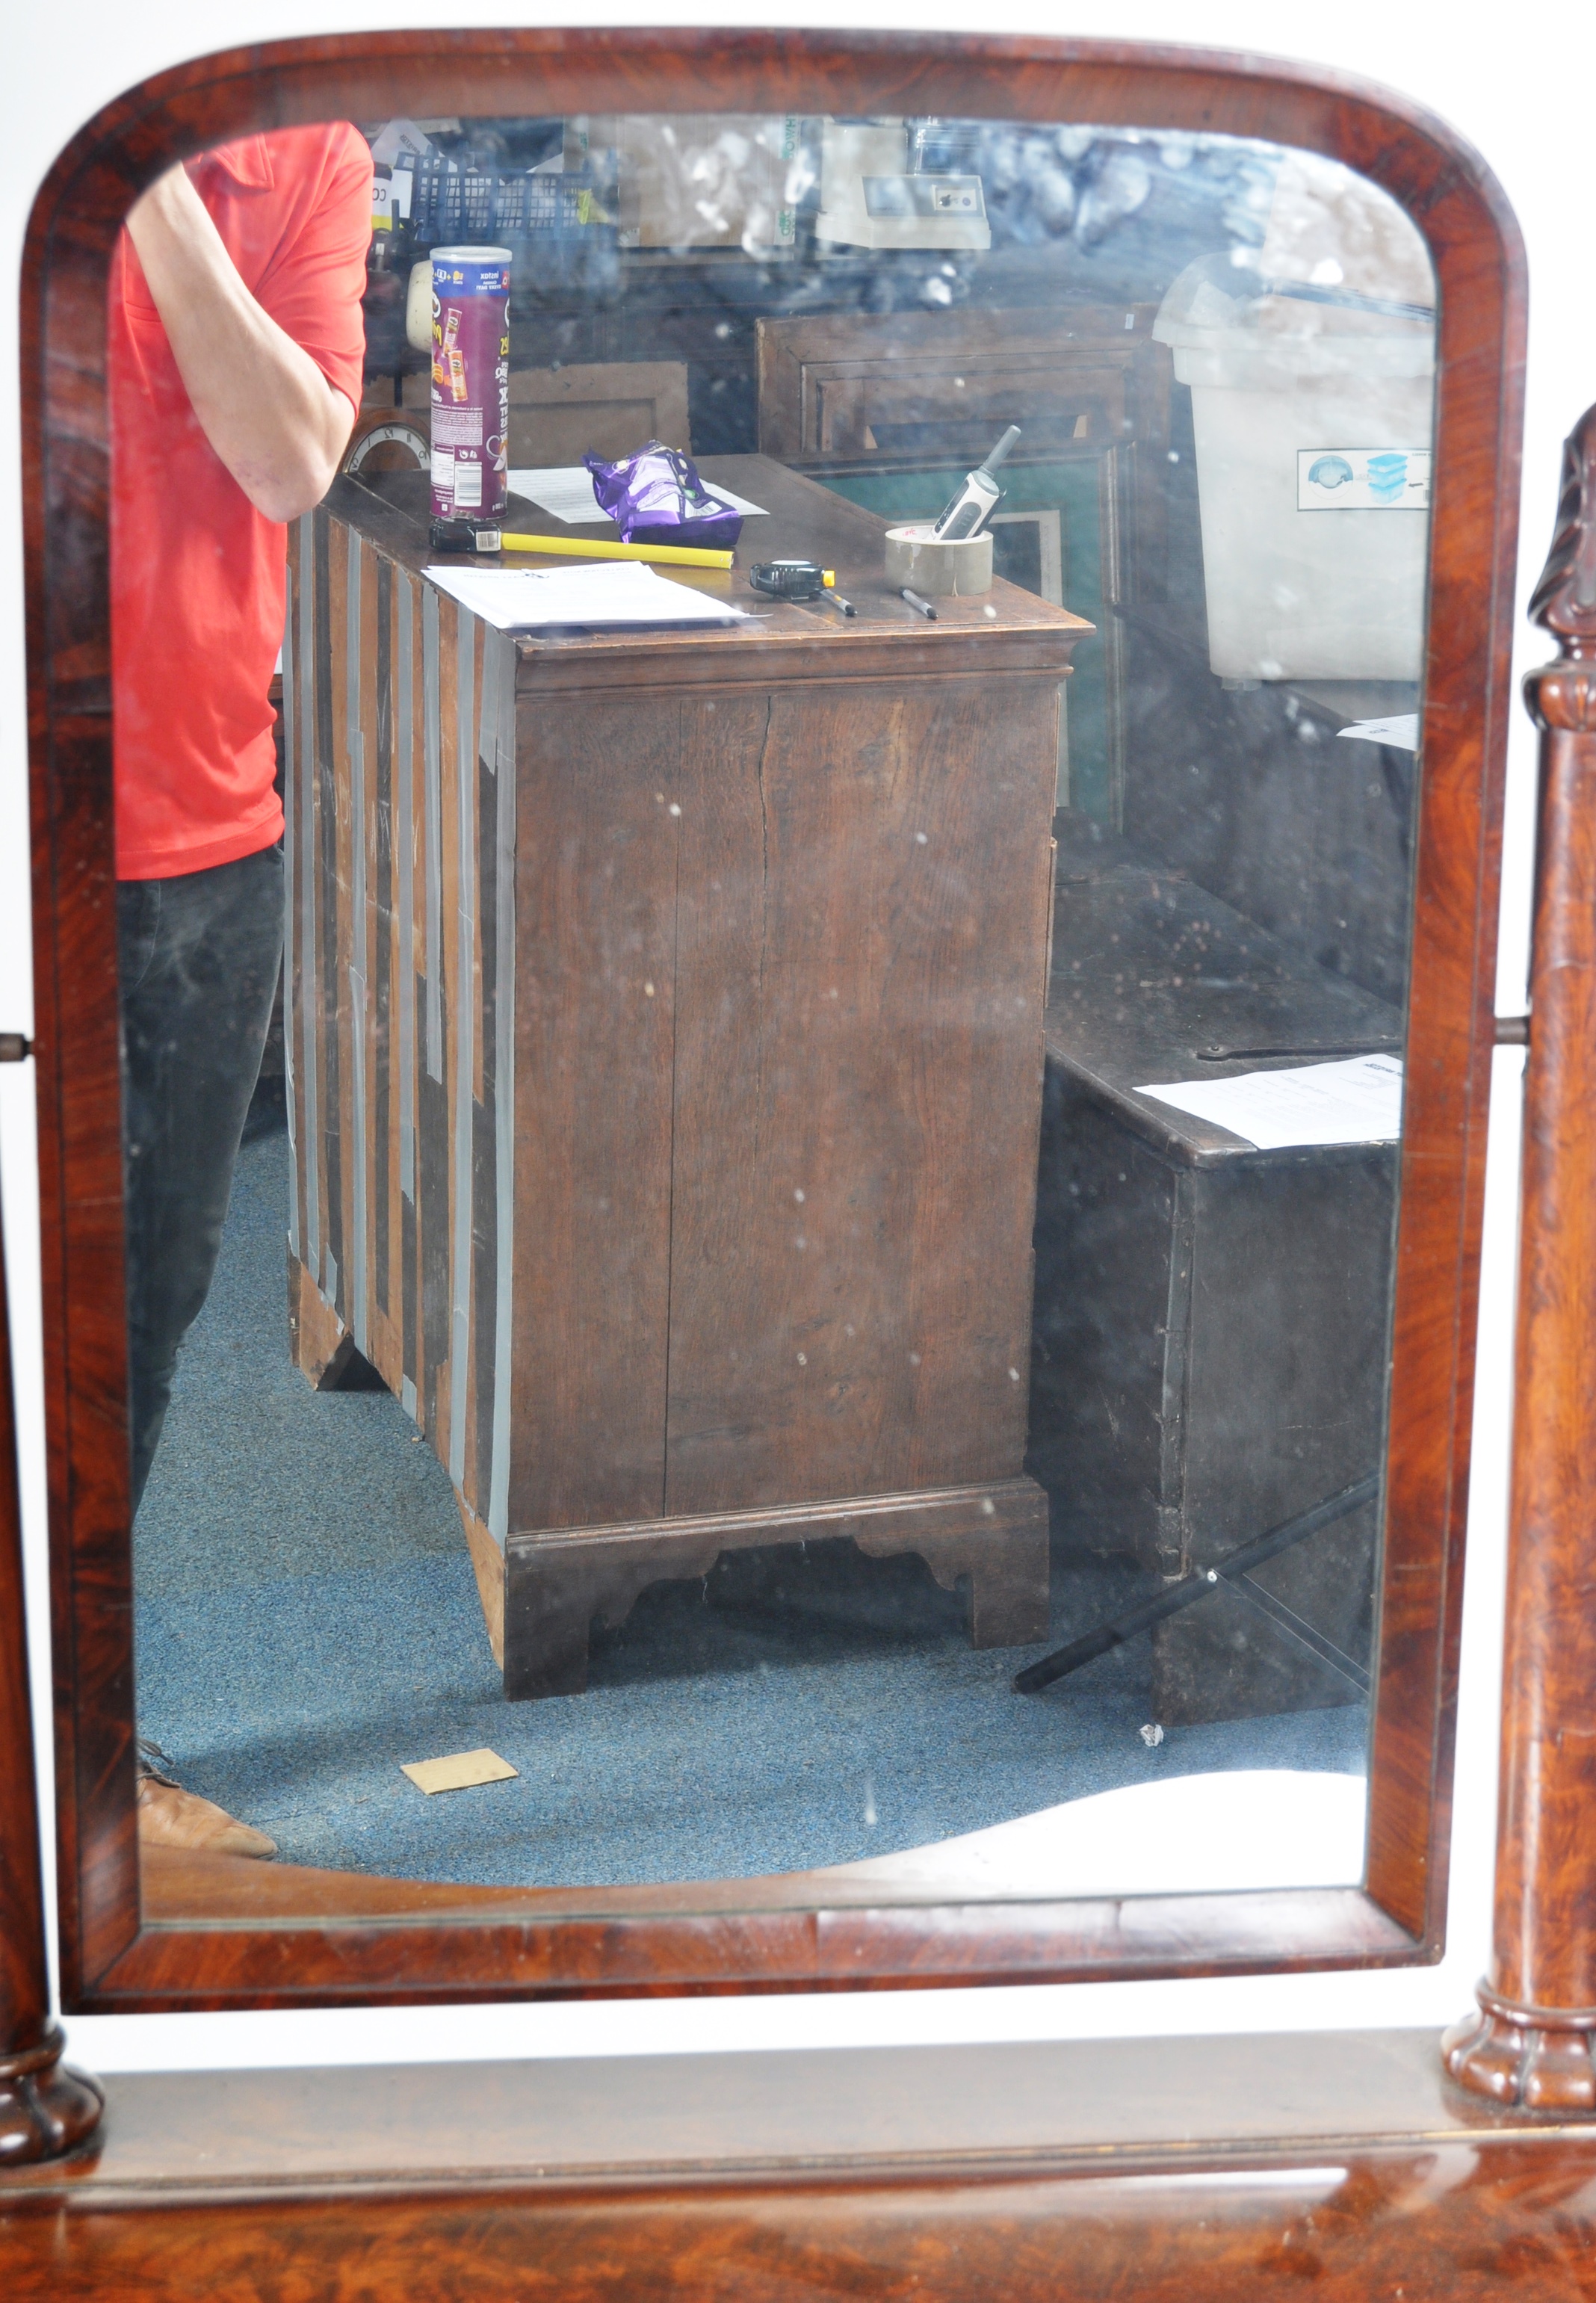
(170,1817)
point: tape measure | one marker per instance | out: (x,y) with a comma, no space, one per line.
(792,579)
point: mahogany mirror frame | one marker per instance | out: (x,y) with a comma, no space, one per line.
(758,1935)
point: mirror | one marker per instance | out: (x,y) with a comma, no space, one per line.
(616,1024)
(836,1128)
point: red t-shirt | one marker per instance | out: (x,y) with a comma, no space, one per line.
(198,575)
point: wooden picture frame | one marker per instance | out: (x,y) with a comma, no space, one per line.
(429,1944)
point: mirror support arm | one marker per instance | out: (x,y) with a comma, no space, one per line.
(1532,2042)
(45,2108)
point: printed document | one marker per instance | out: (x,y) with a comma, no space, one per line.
(592,597)
(1354,1103)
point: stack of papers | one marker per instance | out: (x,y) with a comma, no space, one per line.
(566,490)
(608,592)
(1354,1103)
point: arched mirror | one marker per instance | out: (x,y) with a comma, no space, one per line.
(763,1068)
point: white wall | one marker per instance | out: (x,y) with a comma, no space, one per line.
(1514,88)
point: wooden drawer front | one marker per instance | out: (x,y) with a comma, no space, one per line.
(559,415)
(905,384)
(951,409)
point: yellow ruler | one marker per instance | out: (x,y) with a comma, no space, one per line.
(569,547)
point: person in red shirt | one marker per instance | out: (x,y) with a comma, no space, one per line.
(236,346)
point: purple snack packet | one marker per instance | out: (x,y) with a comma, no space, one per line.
(657,497)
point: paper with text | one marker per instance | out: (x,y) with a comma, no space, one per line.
(609,594)
(1359,1101)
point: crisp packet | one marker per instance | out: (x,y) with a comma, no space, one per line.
(657,497)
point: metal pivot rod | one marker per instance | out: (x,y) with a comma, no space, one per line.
(1233,1570)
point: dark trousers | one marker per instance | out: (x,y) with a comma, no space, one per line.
(198,957)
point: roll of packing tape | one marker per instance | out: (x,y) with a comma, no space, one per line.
(418,308)
(942,571)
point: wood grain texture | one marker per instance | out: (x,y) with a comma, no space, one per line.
(1238,2168)
(1422,2221)
(1532,2041)
(487,1564)
(560,1581)
(861,932)
(595,930)
(45,2107)
(1479,264)
(757,1936)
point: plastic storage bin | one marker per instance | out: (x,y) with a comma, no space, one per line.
(1313,410)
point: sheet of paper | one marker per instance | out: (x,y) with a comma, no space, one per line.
(460,1772)
(1401,731)
(1359,1101)
(566,490)
(594,596)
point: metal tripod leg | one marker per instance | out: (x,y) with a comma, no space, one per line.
(1233,1569)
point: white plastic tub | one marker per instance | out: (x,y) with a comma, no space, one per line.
(1311,401)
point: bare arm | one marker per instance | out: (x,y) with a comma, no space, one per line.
(264,406)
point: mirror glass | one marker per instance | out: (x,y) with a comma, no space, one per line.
(764,933)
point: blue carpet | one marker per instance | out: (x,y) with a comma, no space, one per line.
(308,1620)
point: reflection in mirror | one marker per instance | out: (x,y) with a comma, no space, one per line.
(841,779)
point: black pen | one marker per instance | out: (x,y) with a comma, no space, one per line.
(922,607)
(835,600)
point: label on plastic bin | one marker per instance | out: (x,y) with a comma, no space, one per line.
(1362,480)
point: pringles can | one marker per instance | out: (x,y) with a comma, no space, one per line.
(470,382)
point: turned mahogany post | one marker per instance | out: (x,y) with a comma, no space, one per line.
(45,2108)
(1532,2041)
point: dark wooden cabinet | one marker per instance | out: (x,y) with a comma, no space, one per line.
(1211,1349)
(837,386)
(666,1020)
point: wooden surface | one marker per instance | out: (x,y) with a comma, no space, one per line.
(727,951)
(1253,2168)
(1174,2103)
(1153,978)
(800,519)
(45,2107)
(1479,264)
(1532,2040)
